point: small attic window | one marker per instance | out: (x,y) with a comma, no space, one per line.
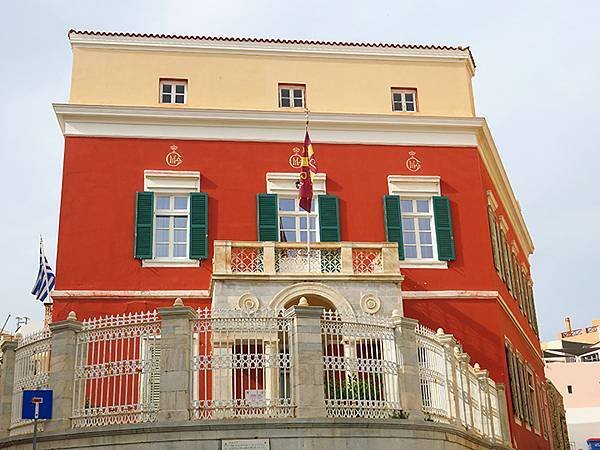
(173,92)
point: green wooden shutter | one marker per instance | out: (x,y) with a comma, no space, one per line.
(267,213)
(443,229)
(144,218)
(198,225)
(329,218)
(533,312)
(393,221)
(494,238)
(512,381)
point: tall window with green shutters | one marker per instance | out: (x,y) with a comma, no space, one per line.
(422,227)
(280,219)
(171,227)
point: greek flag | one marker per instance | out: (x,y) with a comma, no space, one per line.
(45,278)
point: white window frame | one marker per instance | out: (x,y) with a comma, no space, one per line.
(291,87)
(419,187)
(284,185)
(172,213)
(403,102)
(174,82)
(171,182)
(419,215)
(298,214)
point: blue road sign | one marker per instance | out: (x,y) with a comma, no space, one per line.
(38,401)
(593,443)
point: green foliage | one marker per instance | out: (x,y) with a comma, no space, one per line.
(351,388)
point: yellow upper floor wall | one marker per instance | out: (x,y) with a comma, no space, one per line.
(243,74)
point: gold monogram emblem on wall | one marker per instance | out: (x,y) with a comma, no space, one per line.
(173,158)
(412,163)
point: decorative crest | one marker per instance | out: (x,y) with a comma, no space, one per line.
(412,163)
(296,158)
(173,158)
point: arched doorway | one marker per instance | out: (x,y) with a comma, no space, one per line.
(312,300)
(316,294)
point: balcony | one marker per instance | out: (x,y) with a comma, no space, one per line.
(216,375)
(294,261)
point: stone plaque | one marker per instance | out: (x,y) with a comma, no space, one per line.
(246,444)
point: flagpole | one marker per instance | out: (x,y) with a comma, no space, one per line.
(311,202)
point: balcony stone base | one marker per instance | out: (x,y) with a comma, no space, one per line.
(281,434)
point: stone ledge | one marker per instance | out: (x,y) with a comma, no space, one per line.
(378,432)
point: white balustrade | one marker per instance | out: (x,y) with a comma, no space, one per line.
(117,371)
(242,364)
(290,258)
(32,367)
(455,392)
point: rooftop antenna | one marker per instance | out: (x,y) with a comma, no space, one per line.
(21,321)
(4,326)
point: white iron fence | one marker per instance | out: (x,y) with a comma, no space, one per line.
(360,366)
(117,372)
(242,365)
(433,374)
(452,390)
(32,367)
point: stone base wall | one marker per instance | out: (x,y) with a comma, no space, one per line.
(282,434)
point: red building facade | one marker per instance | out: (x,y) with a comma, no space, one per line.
(470,278)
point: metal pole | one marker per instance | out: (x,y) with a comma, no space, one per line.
(35,419)
(34,434)
(308,235)
(306,111)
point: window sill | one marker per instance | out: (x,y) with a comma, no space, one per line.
(170,263)
(422,264)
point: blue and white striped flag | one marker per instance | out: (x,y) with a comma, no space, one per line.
(45,278)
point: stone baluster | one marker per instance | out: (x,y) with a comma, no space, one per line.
(61,378)
(269,257)
(175,362)
(346,258)
(463,366)
(487,424)
(7,379)
(307,360)
(453,379)
(503,413)
(408,377)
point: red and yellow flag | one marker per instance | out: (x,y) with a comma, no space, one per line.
(308,169)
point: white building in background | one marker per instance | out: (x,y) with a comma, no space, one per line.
(573,365)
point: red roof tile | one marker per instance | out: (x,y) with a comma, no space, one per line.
(272,41)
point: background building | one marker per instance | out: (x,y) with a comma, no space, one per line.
(177,184)
(573,366)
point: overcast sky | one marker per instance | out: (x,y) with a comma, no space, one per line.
(537,84)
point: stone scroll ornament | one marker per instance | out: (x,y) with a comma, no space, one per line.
(370,304)
(248,303)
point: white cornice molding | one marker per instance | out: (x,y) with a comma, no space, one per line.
(67,293)
(262,48)
(286,126)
